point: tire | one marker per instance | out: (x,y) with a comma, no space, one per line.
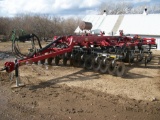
(65,61)
(111,68)
(49,61)
(36,63)
(57,59)
(75,60)
(149,58)
(88,63)
(120,69)
(104,64)
(71,61)
(42,61)
(140,57)
(129,57)
(96,64)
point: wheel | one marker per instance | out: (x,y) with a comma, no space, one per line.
(120,69)
(140,57)
(57,59)
(129,57)
(104,65)
(36,63)
(96,63)
(111,68)
(49,61)
(42,61)
(75,60)
(71,61)
(149,58)
(65,61)
(88,63)
(82,60)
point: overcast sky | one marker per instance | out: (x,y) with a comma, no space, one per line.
(9,8)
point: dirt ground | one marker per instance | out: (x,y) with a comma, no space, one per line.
(65,92)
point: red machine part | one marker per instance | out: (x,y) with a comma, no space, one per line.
(149,41)
(9,66)
(47,53)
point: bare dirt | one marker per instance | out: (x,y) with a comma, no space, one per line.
(65,92)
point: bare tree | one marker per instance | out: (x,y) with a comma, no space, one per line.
(115,8)
(4,25)
(70,25)
(44,26)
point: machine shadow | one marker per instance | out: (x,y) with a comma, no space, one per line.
(130,75)
(151,65)
(77,76)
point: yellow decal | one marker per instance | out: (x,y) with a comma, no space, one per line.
(113,56)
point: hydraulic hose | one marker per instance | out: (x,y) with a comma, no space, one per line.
(46,47)
(29,37)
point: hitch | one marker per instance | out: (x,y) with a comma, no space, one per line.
(11,66)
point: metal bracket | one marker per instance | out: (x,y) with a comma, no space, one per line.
(18,82)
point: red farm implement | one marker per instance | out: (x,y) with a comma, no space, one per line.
(106,54)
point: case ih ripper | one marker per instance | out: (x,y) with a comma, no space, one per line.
(106,54)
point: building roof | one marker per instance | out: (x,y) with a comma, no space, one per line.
(140,24)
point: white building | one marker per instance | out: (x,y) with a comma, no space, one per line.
(145,25)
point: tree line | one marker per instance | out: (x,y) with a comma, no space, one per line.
(43,26)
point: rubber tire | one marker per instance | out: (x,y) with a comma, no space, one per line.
(104,67)
(75,61)
(111,68)
(65,61)
(96,65)
(42,61)
(140,58)
(120,69)
(127,59)
(71,61)
(57,59)
(36,63)
(49,61)
(88,63)
(150,57)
